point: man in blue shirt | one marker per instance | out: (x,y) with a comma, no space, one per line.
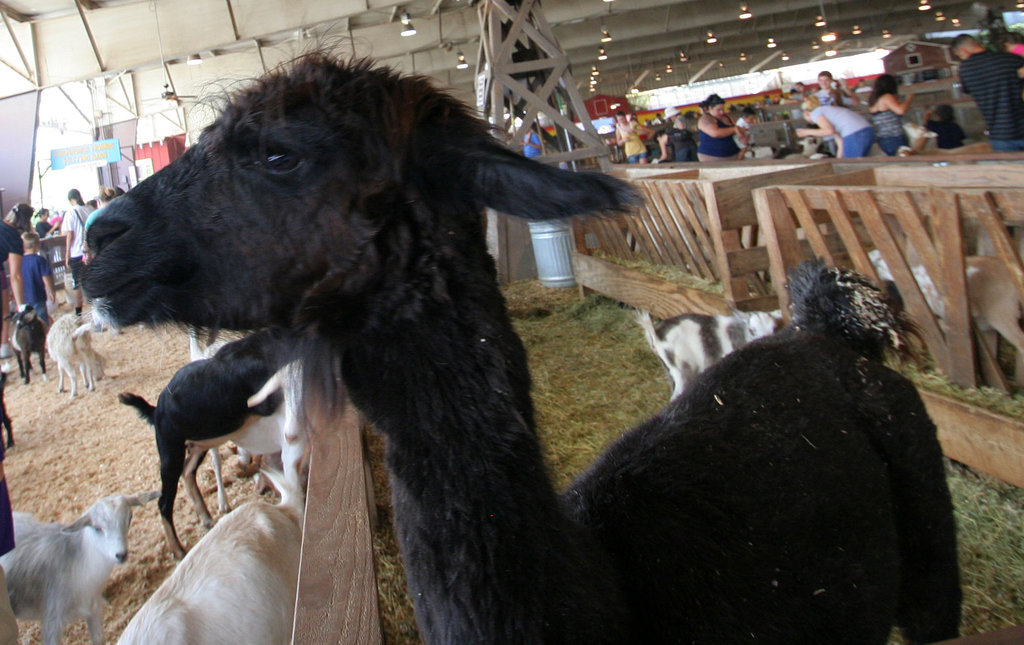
(994,81)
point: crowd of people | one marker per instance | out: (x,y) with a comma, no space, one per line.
(849,119)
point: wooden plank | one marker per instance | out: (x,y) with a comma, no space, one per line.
(748,260)
(847,232)
(337,597)
(691,201)
(780,240)
(958,175)
(683,217)
(1008,636)
(988,214)
(913,299)
(952,285)
(732,198)
(795,199)
(990,442)
(663,218)
(635,288)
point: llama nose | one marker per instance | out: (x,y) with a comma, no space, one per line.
(121,557)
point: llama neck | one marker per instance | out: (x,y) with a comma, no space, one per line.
(486,546)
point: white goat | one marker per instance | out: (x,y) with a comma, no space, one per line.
(69,343)
(57,572)
(236,585)
(689,343)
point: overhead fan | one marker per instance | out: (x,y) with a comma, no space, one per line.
(170,95)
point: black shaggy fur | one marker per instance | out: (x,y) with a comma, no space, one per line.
(794,494)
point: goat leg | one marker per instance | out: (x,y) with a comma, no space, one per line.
(172,539)
(193,455)
(7,425)
(222,497)
(95,622)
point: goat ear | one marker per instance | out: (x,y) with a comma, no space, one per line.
(77,525)
(142,498)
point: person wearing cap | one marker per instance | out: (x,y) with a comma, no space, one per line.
(854,134)
(680,138)
(716,130)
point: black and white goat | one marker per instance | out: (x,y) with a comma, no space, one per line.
(794,493)
(57,573)
(28,336)
(687,344)
(206,404)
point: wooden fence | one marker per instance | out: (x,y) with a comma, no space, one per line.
(701,222)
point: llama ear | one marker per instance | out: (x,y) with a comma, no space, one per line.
(510,183)
(451,165)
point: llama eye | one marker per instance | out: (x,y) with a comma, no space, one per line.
(281,163)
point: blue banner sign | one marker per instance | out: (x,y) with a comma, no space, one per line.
(96,153)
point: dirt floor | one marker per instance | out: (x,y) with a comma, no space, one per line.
(71,452)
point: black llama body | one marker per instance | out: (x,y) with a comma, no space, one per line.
(794,494)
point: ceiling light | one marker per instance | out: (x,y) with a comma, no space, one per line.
(605,36)
(857,30)
(886,34)
(745,12)
(601,55)
(462,64)
(956,22)
(924,6)
(830,52)
(830,37)
(771,44)
(743,56)
(194,59)
(815,45)
(711,39)
(682,56)
(939,17)
(657,77)
(593,70)
(407,28)
(785,56)
(593,89)
(668,68)
(820,21)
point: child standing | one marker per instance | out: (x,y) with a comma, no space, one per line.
(35,274)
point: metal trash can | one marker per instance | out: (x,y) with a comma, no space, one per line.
(552,250)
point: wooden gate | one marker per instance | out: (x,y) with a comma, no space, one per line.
(918,230)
